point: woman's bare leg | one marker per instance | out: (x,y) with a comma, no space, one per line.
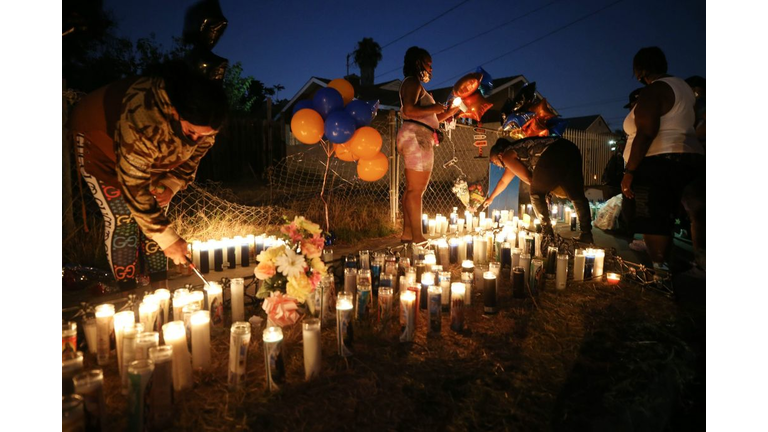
(415,184)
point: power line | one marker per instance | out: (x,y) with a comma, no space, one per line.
(426,23)
(478,35)
(559,29)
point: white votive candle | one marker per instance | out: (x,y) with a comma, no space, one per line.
(175,335)
(201,339)
(312,354)
(105,314)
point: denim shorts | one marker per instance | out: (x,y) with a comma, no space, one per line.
(415,143)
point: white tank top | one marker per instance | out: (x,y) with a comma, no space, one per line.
(425,100)
(676,134)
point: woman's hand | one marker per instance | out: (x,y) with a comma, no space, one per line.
(486,203)
(177,251)
(626,186)
(162,194)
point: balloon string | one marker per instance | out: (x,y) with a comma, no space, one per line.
(327,148)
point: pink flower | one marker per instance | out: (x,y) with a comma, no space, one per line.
(264,270)
(281,309)
(309,249)
(292,231)
(318,241)
(315,279)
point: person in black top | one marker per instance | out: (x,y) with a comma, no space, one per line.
(544,163)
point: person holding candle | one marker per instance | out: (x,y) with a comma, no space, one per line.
(662,153)
(138,142)
(546,164)
(421,119)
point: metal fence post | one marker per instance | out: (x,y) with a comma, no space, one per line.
(394,168)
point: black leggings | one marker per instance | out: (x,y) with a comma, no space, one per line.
(560,165)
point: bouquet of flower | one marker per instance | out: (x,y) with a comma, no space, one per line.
(460,189)
(293,267)
(476,196)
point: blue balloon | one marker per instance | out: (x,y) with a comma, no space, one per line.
(556,126)
(305,103)
(486,84)
(517,121)
(327,100)
(339,126)
(360,111)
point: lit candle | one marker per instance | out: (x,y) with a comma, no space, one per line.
(90,330)
(258,245)
(163,297)
(218,255)
(444,281)
(344,332)
(442,247)
(537,240)
(105,314)
(551,267)
(121,320)
(148,314)
(175,335)
(573,221)
(454,251)
(312,353)
(237,289)
(180,299)
(130,332)
(460,226)
(506,255)
(239,339)
(467,278)
(599,262)
(206,257)
(197,297)
(613,278)
(230,257)
(430,260)
(424,223)
(245,251)
(215,304)
(495,268)
(480,249)
(454,217)
(431,226)
(427,280)
(201,339)
(489,293)
(562,271)
(458,294)
(407,316)
(273,357)
(578,265)
(589,263)
(196,245)
(434,309)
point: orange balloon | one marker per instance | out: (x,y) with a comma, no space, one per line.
(365,142)
(374,168)
(344,87)
(477,105)
(307,126)
(467,84)
(342,152)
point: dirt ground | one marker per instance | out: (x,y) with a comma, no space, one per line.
(591,357)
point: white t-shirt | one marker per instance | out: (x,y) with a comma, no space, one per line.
(676,134)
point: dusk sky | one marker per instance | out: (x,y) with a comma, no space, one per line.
(579,52)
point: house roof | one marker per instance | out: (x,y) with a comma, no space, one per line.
(387,92)
(581,123)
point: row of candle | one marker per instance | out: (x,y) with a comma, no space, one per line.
(216,255)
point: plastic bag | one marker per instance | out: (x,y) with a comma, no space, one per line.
(608,216)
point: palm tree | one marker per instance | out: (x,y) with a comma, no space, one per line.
(278,88)
(367,57)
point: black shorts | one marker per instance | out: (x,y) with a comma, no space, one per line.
(658,184)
